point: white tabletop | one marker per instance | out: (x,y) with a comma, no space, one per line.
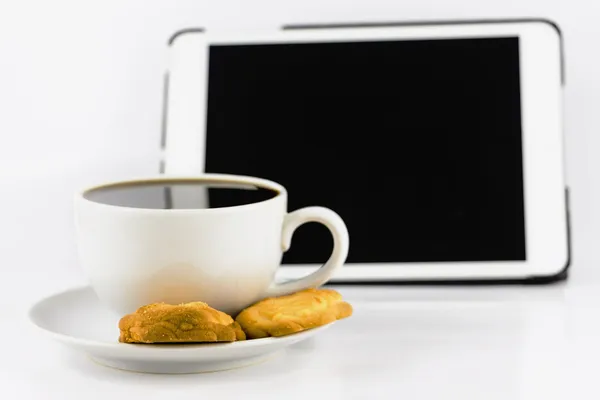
(512,342)
(417,343)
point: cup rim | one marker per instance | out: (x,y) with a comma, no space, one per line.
(226,178)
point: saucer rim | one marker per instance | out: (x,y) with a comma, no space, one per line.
(166,347)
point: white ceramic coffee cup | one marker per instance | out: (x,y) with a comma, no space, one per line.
(226,257)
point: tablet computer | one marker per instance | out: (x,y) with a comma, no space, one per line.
(439,144)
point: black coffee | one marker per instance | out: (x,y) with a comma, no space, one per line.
(179,194)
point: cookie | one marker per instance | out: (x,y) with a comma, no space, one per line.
(185,323)
(280,316)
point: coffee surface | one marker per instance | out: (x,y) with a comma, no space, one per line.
(179,194)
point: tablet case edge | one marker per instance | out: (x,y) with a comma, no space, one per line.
(165,97)
(180,32)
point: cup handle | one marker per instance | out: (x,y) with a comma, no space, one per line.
(341,240)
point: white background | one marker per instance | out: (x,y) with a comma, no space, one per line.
(81,87)
(80,101)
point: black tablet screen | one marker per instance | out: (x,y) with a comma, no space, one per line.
(416,144)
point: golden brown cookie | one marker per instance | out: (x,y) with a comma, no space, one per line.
(184,323)
(280,316)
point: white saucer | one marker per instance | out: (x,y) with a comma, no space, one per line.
(77,319)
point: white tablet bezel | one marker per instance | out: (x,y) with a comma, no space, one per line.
(541,97)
